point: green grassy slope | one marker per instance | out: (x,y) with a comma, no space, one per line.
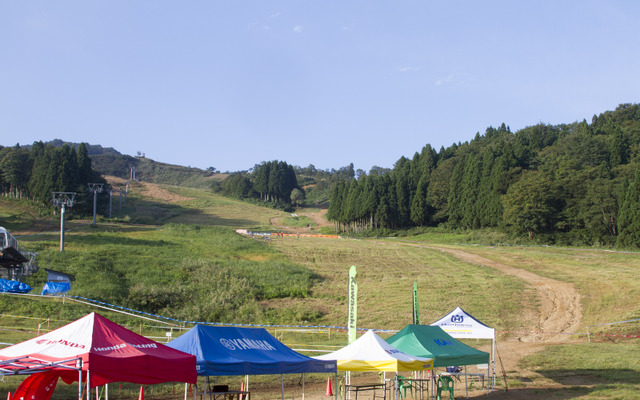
(187,262)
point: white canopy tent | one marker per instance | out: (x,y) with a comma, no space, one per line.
(462,325)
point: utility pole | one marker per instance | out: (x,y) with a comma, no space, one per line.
(95,188)
(63,199)
(110,201)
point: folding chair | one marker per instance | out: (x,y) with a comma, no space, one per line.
(445,384)
(403,385)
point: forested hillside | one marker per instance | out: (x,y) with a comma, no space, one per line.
(273,181)
(575,183)
(286,185)
(37,171)
(110,162)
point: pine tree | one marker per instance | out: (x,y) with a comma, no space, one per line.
(629,214)
(419,206)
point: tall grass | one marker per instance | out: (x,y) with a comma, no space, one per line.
(190,272)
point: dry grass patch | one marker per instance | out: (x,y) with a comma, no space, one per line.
(386,273)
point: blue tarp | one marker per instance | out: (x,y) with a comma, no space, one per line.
(226,351)
(56,287)
(14,286)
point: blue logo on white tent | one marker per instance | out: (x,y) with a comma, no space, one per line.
(457,319)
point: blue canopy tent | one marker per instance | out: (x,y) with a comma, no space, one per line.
(225,351)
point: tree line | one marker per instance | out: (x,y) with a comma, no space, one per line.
(34,173)
(575,183)
(272,182)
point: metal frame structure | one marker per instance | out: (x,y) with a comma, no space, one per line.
(27,365)
(62,200)
(95,188)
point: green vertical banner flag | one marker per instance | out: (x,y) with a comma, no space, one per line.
(353,304)
(416,306)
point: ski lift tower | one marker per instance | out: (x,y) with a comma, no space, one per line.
(63,200)
(95,188)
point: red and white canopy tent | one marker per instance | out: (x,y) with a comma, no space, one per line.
(95,350)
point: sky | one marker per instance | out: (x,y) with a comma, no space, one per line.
(229,84)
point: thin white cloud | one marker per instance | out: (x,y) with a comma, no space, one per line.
(297,29)
(275,14)
(446,80)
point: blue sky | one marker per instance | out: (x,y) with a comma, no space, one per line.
(229,84)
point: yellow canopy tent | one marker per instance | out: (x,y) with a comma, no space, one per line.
(371,353)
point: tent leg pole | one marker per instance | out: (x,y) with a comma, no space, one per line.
(79,366)
(282,385)
(397,396)
(466,385)
(493,365)
(185,390)
(303,386)
(335,383)
(88,386)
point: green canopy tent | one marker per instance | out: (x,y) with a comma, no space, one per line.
(432,342)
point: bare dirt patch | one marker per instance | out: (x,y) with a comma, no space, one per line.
(317,216)
(149,190)
(154,191)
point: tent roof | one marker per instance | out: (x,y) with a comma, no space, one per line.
(110,352)
(371,353)
(432,341)
(460,324)
(244,351)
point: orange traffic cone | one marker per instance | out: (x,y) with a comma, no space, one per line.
(141,396)
(329,387)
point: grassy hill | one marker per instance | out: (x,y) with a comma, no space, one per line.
(148,170)
(110,162)
(173,251)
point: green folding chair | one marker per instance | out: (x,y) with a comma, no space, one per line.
(445,384)
(403,385)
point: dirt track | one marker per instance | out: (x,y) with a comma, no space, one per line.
(559,312)
(317,217)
